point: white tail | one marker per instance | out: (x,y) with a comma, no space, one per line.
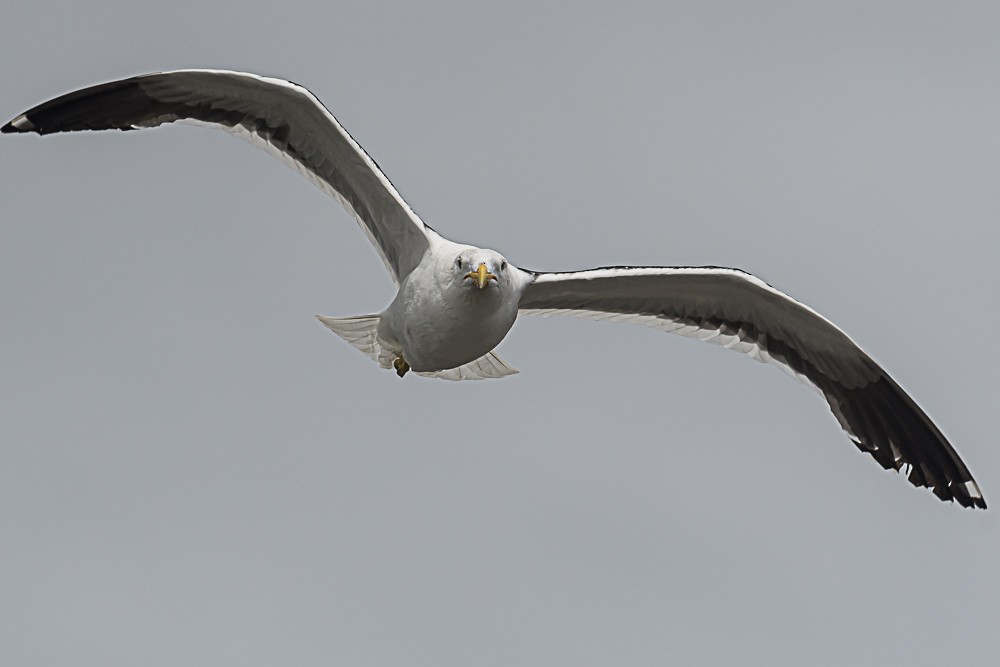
(361,332)
(485,367)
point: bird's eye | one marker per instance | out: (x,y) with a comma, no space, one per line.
(503,265)
(458,262)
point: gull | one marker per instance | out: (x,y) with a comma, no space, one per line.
(456,302)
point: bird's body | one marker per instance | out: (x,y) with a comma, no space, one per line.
(434,326)
(457,302)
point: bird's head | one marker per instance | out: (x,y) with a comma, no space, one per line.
(480,269)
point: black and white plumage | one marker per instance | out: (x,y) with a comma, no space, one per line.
(457,302)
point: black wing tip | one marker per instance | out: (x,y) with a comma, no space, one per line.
(965,493)
(19,125)
(102,107)
(975,502)
(968,494)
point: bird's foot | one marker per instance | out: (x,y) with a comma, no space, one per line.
(400,365)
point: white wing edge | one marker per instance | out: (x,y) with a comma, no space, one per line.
(260,142)
(708,335)
(612,272)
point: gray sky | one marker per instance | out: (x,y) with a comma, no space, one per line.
(195,472)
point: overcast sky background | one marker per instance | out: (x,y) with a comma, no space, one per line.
(193,471)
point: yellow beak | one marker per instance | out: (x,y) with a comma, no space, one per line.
(482,276)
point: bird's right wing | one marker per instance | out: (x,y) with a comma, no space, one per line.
(280,116)
(734,309)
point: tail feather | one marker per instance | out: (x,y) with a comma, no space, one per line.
(360,332)
(486,367)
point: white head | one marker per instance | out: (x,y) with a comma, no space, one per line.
(480,269)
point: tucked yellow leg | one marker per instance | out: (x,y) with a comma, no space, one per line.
(400,365)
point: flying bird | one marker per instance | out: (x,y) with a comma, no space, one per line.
(456,302)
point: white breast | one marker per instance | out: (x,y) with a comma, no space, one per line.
(438,322)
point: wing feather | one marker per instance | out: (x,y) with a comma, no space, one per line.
(280,116)
(738,311)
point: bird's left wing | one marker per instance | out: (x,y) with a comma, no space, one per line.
(737,310)
(280,116)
